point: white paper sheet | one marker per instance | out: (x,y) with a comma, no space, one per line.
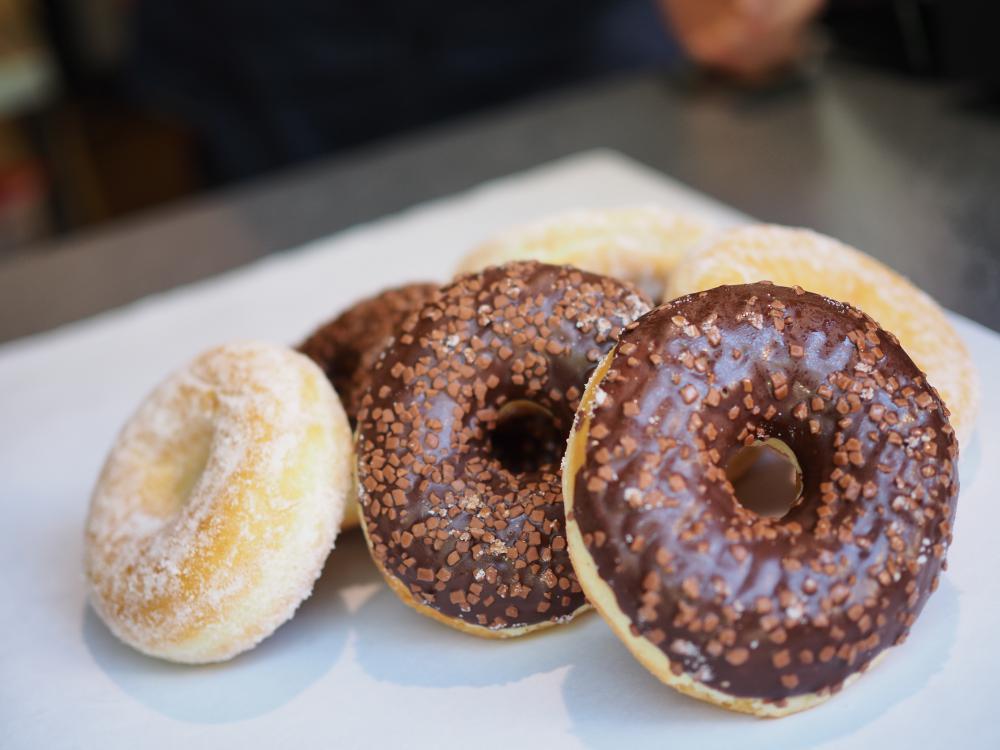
(356,668)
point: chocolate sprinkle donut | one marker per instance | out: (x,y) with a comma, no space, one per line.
(347,347)
(460,533)
(760,614)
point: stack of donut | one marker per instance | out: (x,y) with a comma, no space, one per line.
(535,438)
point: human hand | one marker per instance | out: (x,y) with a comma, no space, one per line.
(747,39)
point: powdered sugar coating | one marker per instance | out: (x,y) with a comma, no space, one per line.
(218,503)
(821,264)
(641,244)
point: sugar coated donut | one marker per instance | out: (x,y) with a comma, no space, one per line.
(218,504)
(460,437)
(763,614)
(347,347)
(641,244)
(826,266)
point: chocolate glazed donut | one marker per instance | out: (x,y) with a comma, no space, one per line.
(759,614)
(347,347)
(461,530)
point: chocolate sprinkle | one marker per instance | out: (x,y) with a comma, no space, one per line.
(748,605)
(347,347)
(464,533)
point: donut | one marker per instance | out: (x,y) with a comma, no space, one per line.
(825,266)
(640,244)
(460,439)
(764,614)
(218,504)
(347,347)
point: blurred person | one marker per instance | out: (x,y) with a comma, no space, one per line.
(266,84)
(747,39)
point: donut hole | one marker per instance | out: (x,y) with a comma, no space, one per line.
(526,438)
(766,478)
(172,478)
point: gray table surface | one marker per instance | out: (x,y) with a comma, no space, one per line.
(907,170)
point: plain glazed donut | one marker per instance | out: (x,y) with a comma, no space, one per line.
(640,244)
(460,535)
(825,266)
(759,614)
(218,504)
(347,347)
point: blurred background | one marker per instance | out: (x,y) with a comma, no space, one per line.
(109,107)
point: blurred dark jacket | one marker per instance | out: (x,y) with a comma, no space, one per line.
(267,83)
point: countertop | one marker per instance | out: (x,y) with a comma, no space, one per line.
(907,170)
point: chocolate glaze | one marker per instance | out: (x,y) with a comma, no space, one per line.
(347,347)
(465,534)
(754,606)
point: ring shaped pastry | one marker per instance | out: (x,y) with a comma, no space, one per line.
(461,533)
(218,504)
(766,615)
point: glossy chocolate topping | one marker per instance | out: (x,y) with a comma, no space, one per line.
(748,605)
(467,534)
(347,347)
